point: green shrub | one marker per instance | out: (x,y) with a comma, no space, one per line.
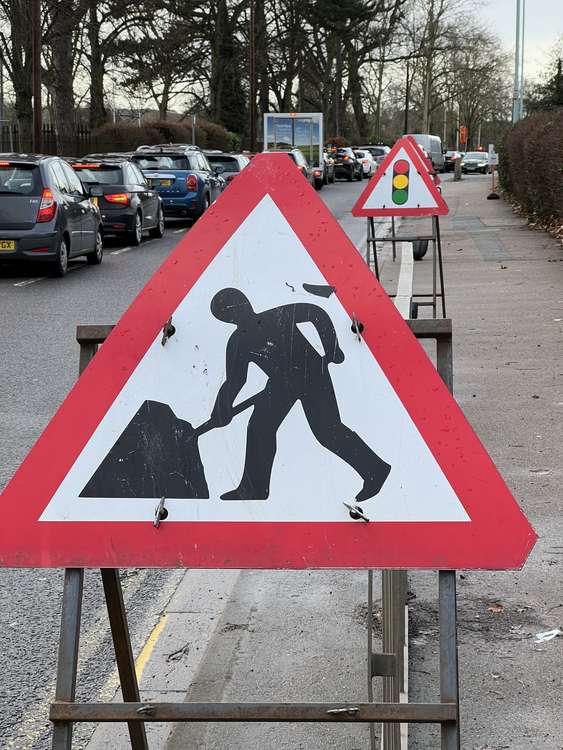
(531,164)
(127,136)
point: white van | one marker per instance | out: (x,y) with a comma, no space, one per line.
(433,147)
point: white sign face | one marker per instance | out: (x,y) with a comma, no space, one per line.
(309,475)
(493,159)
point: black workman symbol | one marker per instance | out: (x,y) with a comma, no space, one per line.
(296,372)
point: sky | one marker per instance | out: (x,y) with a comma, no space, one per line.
(544,23)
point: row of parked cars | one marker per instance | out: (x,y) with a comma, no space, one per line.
(54,209)
(348,163)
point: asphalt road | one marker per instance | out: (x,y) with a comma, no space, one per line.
(38,365)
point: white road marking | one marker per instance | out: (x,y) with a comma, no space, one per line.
(27,282)
(404,287)
(179,231)
(121,250)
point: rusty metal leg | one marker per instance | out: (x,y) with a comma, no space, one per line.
(68,652)
(449,687)
(123,651)
(393,241)
(440,264)
(393,626)
(370,655)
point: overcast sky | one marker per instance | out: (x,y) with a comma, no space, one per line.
(544,23)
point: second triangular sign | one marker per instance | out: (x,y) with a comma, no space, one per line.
(401,186)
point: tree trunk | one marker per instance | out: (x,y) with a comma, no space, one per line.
(355,89)
(98,112)
(64,19)
(20,23)
(262,59)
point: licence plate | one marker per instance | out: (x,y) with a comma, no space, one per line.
(7,246)
(165,183)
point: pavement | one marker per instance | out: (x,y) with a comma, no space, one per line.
(300,636)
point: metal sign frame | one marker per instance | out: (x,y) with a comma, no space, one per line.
(64,712)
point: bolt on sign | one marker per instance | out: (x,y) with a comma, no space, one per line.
(262,404)
(402,185)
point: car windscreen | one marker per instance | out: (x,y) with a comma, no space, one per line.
(163,161)
(479,155)
(229,165)
(103,175)
(19,179)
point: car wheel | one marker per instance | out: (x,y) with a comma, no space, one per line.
(419,249)
(158,230)
(96,257)
(360,176)
(136,236)
(318,184)
(60,266)
(350,176)
(206,204)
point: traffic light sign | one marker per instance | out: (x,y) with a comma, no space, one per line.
(400,191)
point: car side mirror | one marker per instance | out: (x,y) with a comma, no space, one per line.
(219,169)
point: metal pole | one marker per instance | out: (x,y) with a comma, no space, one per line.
(193,129)
(516,95)
(407,96)
(36,75)
(252,65)
(521,99)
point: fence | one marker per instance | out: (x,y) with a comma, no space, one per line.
(83,142)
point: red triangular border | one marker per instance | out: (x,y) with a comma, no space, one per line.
(498,536)
(417,159)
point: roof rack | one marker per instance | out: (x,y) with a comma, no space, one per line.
(162,147)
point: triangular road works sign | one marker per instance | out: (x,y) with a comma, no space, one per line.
(262,417)
(401,186)
(425,160)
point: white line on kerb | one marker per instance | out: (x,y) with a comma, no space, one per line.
(120,251)
(404,287)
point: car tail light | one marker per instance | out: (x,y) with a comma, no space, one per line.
(47,207)
(40,250)
(345,158)
(191,182)
(121,198)
(365,161)
(317,172)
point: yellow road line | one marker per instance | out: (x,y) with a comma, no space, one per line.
(148,648)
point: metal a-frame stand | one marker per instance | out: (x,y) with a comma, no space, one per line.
(64,712)
(420,299)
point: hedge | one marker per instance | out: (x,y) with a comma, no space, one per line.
(127,137)
(531,165)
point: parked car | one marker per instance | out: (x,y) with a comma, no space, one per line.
(450,158)
(432,147)
(328,174)
(128,205)
(347,164)
(232,164)
(301,162)
(475,161)
(378,151)
(46,213)
(369,165)
(182,176)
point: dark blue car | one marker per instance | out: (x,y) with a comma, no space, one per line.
(182,176)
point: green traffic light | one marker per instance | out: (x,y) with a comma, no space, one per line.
(399,196)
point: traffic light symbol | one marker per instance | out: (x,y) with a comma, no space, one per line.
(400,189)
